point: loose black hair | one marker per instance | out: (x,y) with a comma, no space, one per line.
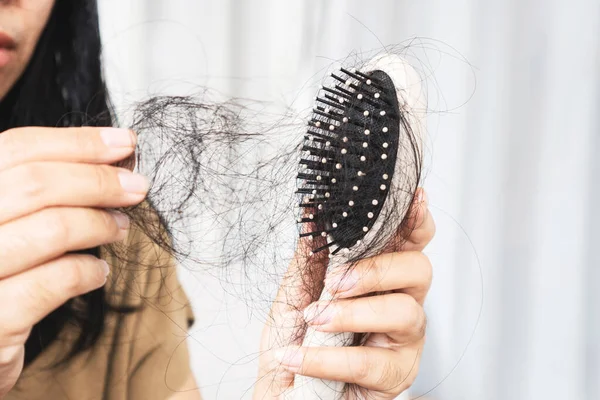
(63,86)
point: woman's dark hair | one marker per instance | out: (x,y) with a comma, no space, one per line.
(63,86)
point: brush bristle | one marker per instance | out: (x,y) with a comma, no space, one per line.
(349,155)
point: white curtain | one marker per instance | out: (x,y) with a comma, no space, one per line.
(512,168)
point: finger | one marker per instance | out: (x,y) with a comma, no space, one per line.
(397,314)
(420,227)
(372,368)
(409,271)
(47,234)
(39,185)
(85,144)
(38,291)
(11,365)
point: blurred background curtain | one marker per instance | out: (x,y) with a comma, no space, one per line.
(512,168)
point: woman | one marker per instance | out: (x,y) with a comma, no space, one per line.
(67,333)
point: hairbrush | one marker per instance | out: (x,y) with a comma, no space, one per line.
(359,171)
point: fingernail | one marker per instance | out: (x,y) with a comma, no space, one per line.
(133,182)
(319,313)
(105,267)
(290,357)
(340,282)
(117,138)
(122,219)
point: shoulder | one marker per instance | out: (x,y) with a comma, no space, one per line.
(144,271)
(143,267)
(150,341)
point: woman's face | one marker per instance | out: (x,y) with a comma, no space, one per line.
(21,24)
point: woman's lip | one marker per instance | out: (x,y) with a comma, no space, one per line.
(7,48)
(6,41)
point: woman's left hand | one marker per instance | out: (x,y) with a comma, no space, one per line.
(387,363)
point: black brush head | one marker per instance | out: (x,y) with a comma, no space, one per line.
(349,157)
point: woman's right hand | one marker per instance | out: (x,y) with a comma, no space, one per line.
(55,184)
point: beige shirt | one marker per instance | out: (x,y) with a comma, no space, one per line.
(148,348)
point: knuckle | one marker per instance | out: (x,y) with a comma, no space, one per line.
(83,144)
(415,319)
(38,295)
(14,335)
(426,267)
(34,181)
(344,318)
(422,327)
(390,377)
(57,226)
(411,310)
(432,226)
(35,295)
(411,375)
(101,179)
(362,366)
(373,271)
(312,362)
(72,276)
(428,228)
(10,354)
(380,267)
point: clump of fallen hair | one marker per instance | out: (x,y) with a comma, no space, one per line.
(223,177)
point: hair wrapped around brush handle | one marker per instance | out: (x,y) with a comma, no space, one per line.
(334,137)
(306,388)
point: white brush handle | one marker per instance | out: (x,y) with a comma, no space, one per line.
(306,388)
